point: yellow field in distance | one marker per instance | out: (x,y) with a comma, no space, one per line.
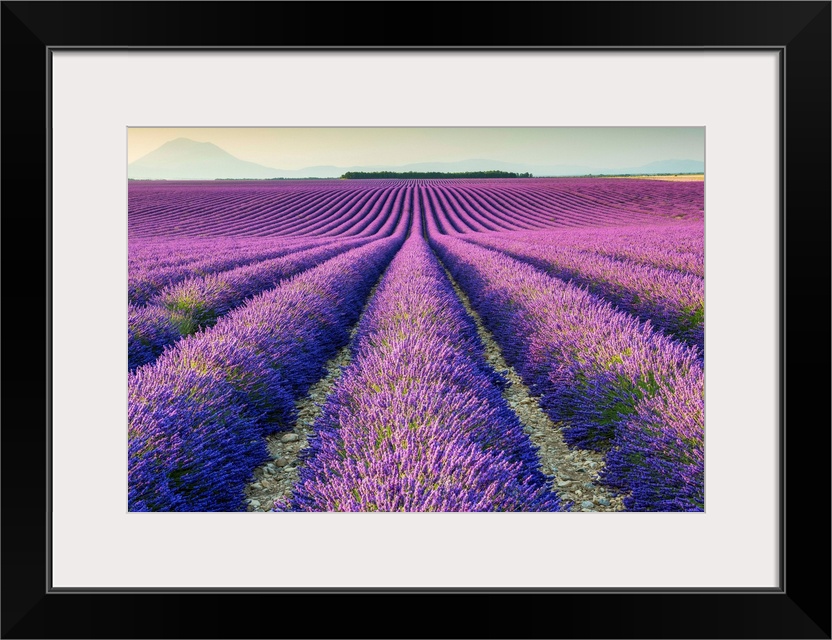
(687,177)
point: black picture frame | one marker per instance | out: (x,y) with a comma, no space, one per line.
(799,608)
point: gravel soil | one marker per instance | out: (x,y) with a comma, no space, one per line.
(573,472)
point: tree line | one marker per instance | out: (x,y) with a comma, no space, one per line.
(418,175)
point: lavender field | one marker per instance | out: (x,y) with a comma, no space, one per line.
(530,344)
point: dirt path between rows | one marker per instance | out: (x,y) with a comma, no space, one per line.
(275,479)
(574,471)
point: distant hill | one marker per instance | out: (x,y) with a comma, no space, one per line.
(184,159)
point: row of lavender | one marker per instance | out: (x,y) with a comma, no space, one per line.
(153,264)
(199,414)
(660,240)
(417,422)
(288,208)
(623,388)
(183,259)
(189,301)
(679,246)
(659,280)
(183,308)
(434,427)
(619,386)
(671,300)
(263,211)
(479,210)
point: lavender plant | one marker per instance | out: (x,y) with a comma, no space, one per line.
(222,389)
(673,246)
(593,366)
(417,421)
(241,291)
(673,302)
(148,277)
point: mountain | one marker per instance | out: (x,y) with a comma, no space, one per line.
(184,159)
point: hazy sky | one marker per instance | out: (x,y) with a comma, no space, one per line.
(612,147)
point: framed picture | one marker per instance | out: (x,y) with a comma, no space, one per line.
(77,76)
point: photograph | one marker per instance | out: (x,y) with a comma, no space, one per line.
(417,319)
(430,296)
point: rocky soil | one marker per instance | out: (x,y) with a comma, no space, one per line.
(275,479)
(574,472)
